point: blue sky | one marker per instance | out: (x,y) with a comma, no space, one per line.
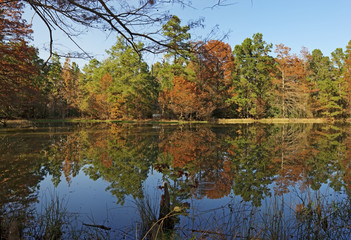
(322,24)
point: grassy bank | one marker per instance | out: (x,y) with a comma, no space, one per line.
(275,120)
(83,120)
(32,123)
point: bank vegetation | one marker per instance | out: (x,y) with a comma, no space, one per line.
(195,81)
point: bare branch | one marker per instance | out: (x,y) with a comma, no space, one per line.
(134,20)
(50,31)
(222,3)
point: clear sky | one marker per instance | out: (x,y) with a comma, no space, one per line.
(322,24)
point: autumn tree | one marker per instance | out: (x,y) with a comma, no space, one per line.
(18,69)
(70,87)
(213,66)
(252,77)
(205,83)
(347,79)
(186,100)
(290,88)
(99,105)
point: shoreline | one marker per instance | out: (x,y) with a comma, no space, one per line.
(279,120)
(25,123)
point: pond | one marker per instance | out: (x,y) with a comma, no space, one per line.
(200,181)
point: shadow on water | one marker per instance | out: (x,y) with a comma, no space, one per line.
(245,181)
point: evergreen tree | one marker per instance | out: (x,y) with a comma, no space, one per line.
(327,98)
(177,37)
(133,91)
(94,91)
(338,74)
(252,79)
(119,87)
(53,86)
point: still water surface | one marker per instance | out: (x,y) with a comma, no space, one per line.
(286,181)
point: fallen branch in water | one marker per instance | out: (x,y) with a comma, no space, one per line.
(97,226)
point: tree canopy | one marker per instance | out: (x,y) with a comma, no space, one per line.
(194,80)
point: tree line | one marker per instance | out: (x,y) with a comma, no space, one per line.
(194,81)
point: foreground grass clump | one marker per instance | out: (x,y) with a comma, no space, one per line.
(52,222)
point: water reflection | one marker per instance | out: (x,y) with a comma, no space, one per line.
(245,165)
(21,170)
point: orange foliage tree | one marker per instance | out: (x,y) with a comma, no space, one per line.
(186,100)
(347,77)
(291,89)
(214,65)
(99,100)
(70,90)
(17,71)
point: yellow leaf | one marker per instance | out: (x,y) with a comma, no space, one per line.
(177,209)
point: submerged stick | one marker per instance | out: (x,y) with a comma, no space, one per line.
(97,226)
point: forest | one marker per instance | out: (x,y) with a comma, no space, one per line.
(194,81)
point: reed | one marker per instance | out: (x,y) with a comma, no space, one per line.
(308,216)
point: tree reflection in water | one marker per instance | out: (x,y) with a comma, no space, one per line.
(265,180)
